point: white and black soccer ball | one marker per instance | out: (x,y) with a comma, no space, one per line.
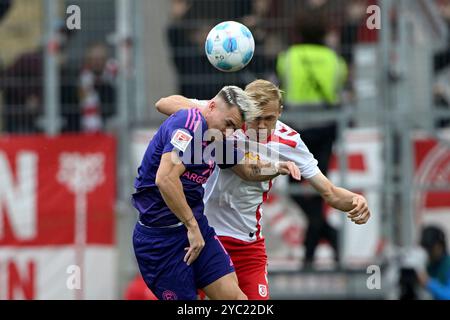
(230,46)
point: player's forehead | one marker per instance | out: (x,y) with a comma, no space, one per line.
(270,108)
(233,116)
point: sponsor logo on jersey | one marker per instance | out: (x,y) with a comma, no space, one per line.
(181,140)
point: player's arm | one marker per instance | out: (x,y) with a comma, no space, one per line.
(171,104)
(264,171)
(171,189)
(342,199)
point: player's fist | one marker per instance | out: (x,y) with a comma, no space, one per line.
(288,168)
(360,213)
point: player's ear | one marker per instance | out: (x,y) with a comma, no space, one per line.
(211,105)
(281,109)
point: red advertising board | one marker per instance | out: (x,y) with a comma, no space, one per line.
(57,198)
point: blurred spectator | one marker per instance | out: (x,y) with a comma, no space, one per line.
(309,6)
(267,42)
(4,7)
(441,95)
(442,58)
(216,10)
(354,30)
(22,84)
(138,290)
(97,92)
(312,76)
(437,278)
(332,11)
(441,89)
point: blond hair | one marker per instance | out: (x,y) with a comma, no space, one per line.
(235,96)
(263,92)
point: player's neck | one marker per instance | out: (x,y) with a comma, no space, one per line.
(204,112)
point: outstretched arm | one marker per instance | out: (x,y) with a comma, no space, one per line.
(353,204)
(171,104)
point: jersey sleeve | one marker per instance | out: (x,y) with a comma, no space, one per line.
(179,134)
(302,157)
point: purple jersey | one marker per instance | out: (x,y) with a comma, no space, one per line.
(183,132)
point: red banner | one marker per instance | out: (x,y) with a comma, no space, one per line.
(44,177)
(57,199)
(432,177)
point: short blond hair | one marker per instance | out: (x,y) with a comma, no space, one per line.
(263,92)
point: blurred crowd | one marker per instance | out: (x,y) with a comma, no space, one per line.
(442,67)
(274,27)
(87,90)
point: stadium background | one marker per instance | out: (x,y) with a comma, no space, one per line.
(64,192)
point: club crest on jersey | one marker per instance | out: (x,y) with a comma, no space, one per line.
(252,156)
(262,289)
(181,140)
(169,295)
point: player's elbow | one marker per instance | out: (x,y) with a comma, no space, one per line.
(160,103)
(162,181)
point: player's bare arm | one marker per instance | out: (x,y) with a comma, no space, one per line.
(171,104)
(353,204)
(265,171)
(171,189)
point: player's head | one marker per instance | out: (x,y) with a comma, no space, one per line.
(228,110)
(267,98)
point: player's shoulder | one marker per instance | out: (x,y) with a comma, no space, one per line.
(285,135)
(180,114)
(282,129)
(188,119)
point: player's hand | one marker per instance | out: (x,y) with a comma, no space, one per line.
(288,168)
(360,213)
(196,243)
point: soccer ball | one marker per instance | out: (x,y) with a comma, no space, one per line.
(230,46)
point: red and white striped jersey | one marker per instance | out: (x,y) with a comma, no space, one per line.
(233,206)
